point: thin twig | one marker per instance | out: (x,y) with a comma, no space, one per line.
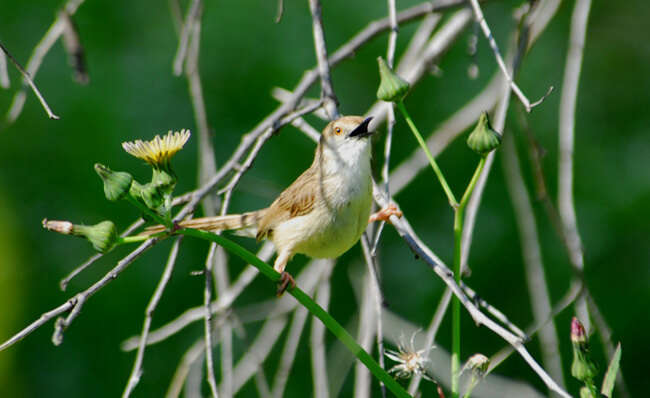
(29,81)
(278,15)
(317,337)
(177,17)
(330,101)
(207,299)
(532,254)
(495,48)
(366,331)
(38,54)
(430,336)
(257,351)
(75,303)
(136,372)
(225,332)
(378,297)
(207,164)
(390,124)
(569,298)
(288,355)
(190,357)
(418,42)
(4,73)
(495,312)
(566,134)
(191,17)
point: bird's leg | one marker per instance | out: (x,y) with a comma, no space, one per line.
(285,278)
(385,213)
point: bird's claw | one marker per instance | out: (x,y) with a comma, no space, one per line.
(283,283)
(385,213)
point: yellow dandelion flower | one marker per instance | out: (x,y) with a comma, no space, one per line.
(158,151)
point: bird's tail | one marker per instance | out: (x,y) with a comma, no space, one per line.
(247,222)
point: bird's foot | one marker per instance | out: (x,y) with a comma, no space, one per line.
(385,213)
(285,280)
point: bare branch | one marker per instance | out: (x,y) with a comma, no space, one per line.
(493,44)
(288,355)
(317,338)
(365,332)
(495,312)
(569,298)
(378,300)
(4,73)
(29,81)
(191,17)
(327,91)
(136,372)
(430,336)
(566,133)
(39,52)
(190,357)
(532,254)
(220,305)
(207,316)
(75,303)
(258,351)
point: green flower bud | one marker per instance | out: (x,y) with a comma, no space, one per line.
(164,180)
(103,236)
(582,367)
(116,183)
(392,88)
(483,139)
(151,196)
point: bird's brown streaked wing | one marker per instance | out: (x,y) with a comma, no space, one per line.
(294,201)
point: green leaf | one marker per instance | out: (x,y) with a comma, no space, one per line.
(612,370)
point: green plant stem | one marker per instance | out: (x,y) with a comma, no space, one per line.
(304,299)
(132,239)
(472,183)
(432,161)
(459,216)
(455,305)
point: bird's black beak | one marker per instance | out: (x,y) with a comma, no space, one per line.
(362,129)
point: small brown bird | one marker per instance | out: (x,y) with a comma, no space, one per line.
(324,211)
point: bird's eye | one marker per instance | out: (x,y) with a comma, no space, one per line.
(337,131)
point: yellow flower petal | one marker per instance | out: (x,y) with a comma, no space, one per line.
(158,151)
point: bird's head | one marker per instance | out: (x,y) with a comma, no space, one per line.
(347,139)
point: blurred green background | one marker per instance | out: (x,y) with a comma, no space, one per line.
(46,171)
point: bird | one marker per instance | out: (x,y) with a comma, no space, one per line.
(324,212)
